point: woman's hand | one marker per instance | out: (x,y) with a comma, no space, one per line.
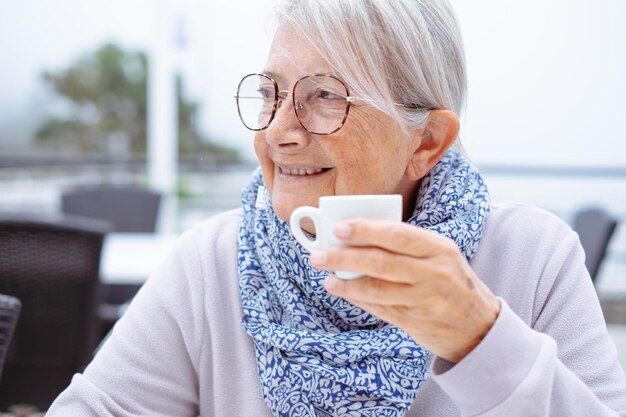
(414,279)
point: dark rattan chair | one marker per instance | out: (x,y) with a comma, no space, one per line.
(127,208)
(9,312)
(595,228)
(52,266)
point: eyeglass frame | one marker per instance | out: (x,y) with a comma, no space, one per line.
(278,101)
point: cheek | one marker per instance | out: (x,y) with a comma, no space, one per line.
(364,143)
(375,154)
(356,143)
(262,153)
(260,145)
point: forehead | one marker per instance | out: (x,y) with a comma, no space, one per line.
(292,56)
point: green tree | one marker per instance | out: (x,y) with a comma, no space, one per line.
(106,94)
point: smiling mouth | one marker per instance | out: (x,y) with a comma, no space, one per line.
(302,172)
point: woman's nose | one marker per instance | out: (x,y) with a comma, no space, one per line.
(285,130)
(298,106)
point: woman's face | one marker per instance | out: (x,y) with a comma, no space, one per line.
(368,155)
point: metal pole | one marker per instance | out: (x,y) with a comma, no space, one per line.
(162,149)
(162,140)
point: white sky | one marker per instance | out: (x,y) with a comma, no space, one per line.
(547,79)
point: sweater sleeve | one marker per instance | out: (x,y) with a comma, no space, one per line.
(148,365)
(562,364)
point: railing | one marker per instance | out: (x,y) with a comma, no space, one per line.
(565,189)
(562,190)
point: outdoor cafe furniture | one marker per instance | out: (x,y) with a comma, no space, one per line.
(51,264)
(127,207)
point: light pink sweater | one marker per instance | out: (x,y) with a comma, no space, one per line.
(180,349)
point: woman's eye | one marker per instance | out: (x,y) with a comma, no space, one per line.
(267,93)
(327,95)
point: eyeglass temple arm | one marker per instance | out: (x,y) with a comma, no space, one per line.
(352,99)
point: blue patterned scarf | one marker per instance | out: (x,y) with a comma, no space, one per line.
(318,355)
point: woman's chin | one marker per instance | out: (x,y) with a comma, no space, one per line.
(283,211)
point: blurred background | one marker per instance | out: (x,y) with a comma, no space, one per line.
(86,87)
(140,93)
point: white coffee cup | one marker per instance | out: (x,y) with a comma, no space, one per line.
(335,209)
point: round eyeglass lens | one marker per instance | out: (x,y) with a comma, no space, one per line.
(255,101)
(320,103)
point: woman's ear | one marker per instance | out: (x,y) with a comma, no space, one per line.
(431,142)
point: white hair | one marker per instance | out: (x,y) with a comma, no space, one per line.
(388,51)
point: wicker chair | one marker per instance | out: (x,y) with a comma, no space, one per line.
(595,227)
(127,208)
(52,266)
(9,312)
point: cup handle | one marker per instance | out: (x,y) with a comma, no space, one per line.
(294,222)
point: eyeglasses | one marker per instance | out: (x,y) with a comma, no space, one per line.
(321,102)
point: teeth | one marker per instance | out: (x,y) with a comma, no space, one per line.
(301,171)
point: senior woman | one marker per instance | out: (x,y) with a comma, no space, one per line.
(466,308)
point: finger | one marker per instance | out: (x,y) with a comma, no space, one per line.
(371,290)
(393,236)
(376,262)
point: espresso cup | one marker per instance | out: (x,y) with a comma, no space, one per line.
(335,209)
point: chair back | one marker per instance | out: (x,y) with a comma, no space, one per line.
(595,228)
(52,265)
(9,312)
(127,208)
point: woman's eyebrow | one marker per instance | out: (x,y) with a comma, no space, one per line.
(273,75)
(279,77)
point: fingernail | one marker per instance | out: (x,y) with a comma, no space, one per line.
(342,230)
(330,283)
(318,257)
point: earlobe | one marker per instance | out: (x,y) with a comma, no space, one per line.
(432,142)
